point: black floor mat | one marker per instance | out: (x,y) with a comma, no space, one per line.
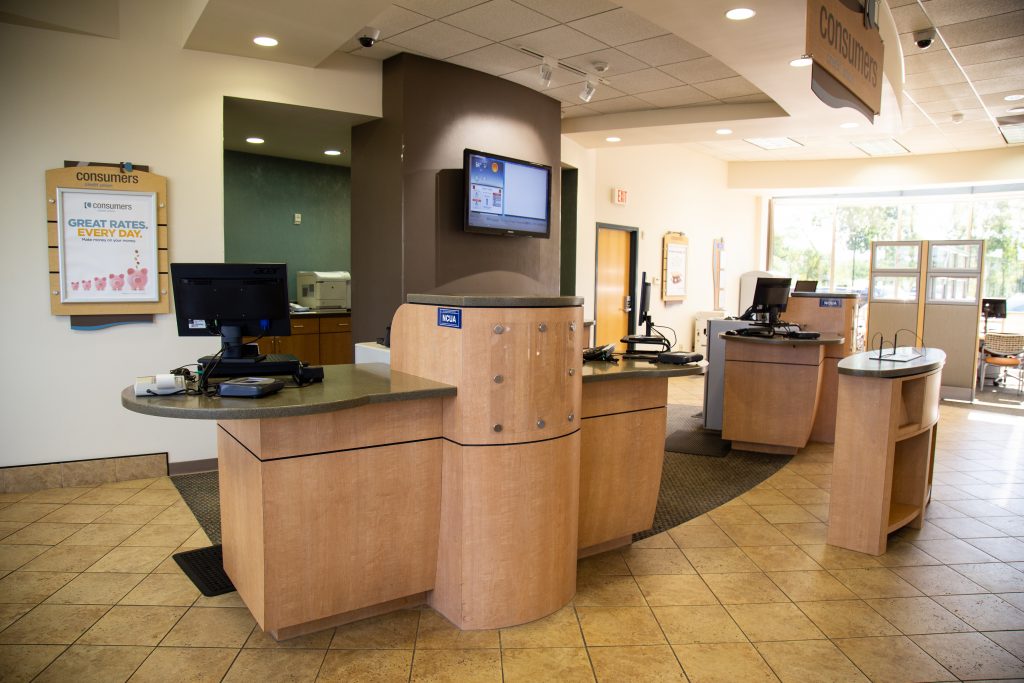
(205,567)
(685,433)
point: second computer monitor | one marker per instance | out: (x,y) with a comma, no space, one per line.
(644,314)
(771,295)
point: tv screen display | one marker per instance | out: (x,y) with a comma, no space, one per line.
(506,196)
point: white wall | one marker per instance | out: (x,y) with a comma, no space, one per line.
(672,188)
(140,98)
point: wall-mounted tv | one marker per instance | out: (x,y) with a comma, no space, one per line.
(506,196)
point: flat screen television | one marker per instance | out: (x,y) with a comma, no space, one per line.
(506,196)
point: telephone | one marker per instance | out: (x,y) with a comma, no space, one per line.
(600,353)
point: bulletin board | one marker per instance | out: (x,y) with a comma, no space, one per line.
(107,240)
(674,248)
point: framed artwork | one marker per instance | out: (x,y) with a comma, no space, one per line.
(673,278)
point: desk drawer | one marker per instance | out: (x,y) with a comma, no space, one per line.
(305,325)
(336,323)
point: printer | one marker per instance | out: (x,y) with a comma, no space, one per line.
(321,289)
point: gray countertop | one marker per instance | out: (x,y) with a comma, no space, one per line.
(827,295)
(597,371)
(495,300)
(866,364)
(344,386)
(826,339)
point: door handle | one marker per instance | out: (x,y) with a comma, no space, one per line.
(627,304)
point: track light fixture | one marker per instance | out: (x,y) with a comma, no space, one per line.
(545,74)
(588,91)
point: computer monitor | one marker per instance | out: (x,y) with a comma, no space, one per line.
(644,312)
(232,300)
(771,295)
(806,286)
(993,308)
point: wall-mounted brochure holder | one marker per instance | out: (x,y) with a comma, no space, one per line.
(674,247)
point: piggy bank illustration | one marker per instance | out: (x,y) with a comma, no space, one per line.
(117,281)
(137,278)
(74,286)
(87,285)
(101,283)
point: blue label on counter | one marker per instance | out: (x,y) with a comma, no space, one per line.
(449,317)
(830,303)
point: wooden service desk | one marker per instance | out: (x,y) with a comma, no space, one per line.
(885,437)
(329,495)
(772,388)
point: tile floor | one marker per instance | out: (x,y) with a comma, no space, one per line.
(747,592)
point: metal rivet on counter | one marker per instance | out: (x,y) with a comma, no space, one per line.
(540,424)
(498,329)
(542,327)
(498,379)
(497,428)
(572,416)
(572,371)
(572,325)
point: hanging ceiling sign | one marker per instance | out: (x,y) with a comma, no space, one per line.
(848,48)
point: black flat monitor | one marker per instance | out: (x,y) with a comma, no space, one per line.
(643,319)
(993,308)
(506,196)
(806,286)
(771,295)
(232,300)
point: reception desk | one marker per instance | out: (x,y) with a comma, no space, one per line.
(772,390)
(380,489)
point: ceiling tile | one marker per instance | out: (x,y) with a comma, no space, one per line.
(570,94)
(699,70)
(530,77)
(617,27)
(570,112)
(437,8)
(666,49)
(928,79)
(438,40)
(557,41)
(619,104)
(729,87)
(618,62)
(942,92)
(910,18)
(983,30)
(495,59)
(643,81)
(677,97)
(397,19)
(1014,83)
(499,20)
(945,12)
(947,104)
(993,50)
(568,10)
(1001,69)
(935,58)
(759,98)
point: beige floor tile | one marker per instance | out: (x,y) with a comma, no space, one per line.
(822,481)
(101,534)
(919,615)
(927,532)
(163,589)
(809,661)
(42,533)
(791,513)
(394,631)
(847,619)
(456,666)
(698,624)
(938,580)
(719,560)
(169,566)
(875,583)
(167,535)
(723,663)
(605,564)
(437,633)
(765,497)
(61,495)
(80,514)
(22,662)
(901,553)
(781,558)
(1011,525)
(131,514)
(8,528)
(372,666)
(9,613)
(967,527)
(893,659)
(27,512)
(211,627)
(744,588)
(755,534)
(993,576)
(815,496)
(52,624)
(226,600)
(198,539)
(736,514)
(832,557)
(951,551)
(561,629)
(662,540)
(161,482)
(67,558)
(984,612)
(151,496)
(320,640)
(1003,549)
(620,626)
(104,496)
(95,589)
(803,586)
(680,589)
(571,665)
(176,514)
(133,625)
(1015,599)
(275,665)
(32,587)
(700,536)
(780,621)
(131,560)
(657,561)
(607,591)
(1011,641)
(655,663)
(94,664)
(810,533)
(971,656)
(14,556)
(193,664)
(129,484)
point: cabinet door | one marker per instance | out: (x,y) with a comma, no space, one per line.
(305,347)
(336,348)
(265,345)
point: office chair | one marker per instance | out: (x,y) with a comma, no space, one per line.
(1005,350)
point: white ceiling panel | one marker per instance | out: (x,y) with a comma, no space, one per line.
(568,10)
(618,62)
(699,70)
(437,8)
(728,87)
(617,27)
(945,12)
(438,40)
(499,20)
(991,51)
(530,77)
(1007,25)
(677,97)
(396,20)
(558,41)
(619,104)
(666,49)
(643,81)
(495,59)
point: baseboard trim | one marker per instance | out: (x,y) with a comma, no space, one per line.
(78,473)
(192,466)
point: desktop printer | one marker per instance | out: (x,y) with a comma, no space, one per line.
(319,289)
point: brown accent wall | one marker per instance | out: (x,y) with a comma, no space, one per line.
(407,189)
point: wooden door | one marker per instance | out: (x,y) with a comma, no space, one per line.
(613,286)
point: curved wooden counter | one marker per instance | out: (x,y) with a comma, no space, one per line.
(772,388)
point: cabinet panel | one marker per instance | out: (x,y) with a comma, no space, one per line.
(305,347)
(336,348)
(335,323)
(305,326)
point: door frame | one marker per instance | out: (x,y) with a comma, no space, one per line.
(634,242)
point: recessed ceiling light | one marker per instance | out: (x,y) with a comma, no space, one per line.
(880,147)
(265,41)
(1013,134)
(1015,110)
(773,143)
(740,13)
(613,138)
(802,61)
(255,141)
(1013,98)
(332,152)
(849,124)
(724,131)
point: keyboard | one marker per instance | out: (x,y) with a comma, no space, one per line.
(272,364)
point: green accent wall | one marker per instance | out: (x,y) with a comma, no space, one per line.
(261,197)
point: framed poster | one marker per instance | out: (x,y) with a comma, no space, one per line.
(674,251)
(107,244)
